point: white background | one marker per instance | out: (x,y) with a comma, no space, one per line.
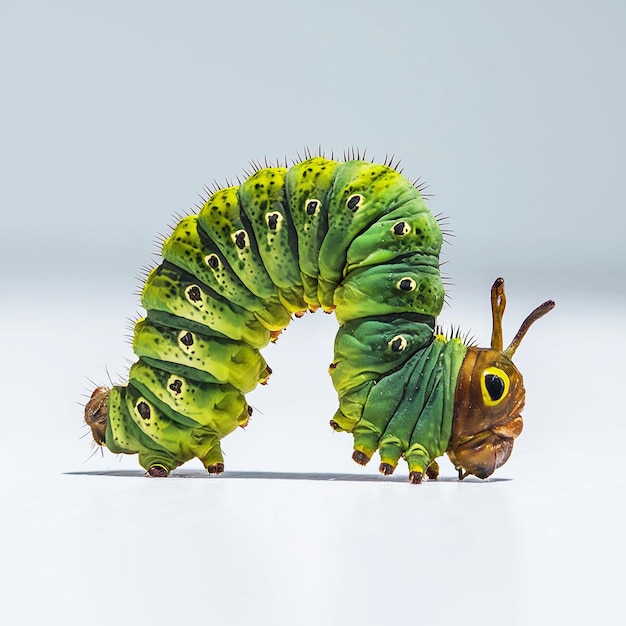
(115,114)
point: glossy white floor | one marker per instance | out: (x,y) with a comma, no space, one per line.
(295,532)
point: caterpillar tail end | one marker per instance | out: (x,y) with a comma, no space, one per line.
(96,413)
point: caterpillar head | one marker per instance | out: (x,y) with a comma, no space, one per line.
(489,397)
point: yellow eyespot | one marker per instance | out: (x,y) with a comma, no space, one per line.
(241,239)
(398,343)
(274,220)
(354,202)
(494,384)
(312,206)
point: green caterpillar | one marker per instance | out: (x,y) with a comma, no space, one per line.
(351,237)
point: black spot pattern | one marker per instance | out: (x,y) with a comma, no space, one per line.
(240,239)
(194,294)
(144,410)
(311,207)
(399,229)
(398,344)
(176,386)
(187,339)
(354,201)
(272,220)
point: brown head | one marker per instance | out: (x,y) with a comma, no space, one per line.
(489,397)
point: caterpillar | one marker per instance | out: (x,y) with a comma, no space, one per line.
(353,237)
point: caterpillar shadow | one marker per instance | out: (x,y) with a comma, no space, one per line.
(263,475)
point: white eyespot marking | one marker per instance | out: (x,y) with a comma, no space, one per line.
(274,220)
(406,284)
(241,239)
(175,385)
(143,409)
(213,261)
(355,202)
(194,295)
(398,343)
(400,229)
(312,207)
(185,338)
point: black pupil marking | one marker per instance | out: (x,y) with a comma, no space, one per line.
(240,240)
(213,261)
(176,386)
(494,385)
(406,284)
(353,202)
(399,228)
(144,410)
(311,207)
(187,339)
(396,345)
(194,294)
(272,220)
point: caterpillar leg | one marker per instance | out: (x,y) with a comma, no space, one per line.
(390,453)
(386,469)
(365,442)
(416,474)
(360,457)
(158,471)
(389,456)
(213,460)
(381,424)
(157,464)
(415,478)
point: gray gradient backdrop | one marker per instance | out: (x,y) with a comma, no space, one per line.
(114,116)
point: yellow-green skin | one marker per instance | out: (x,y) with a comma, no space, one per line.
(352,237)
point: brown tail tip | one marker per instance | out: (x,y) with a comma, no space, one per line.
(96,413)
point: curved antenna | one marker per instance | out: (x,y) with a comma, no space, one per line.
(498,304)
(540,311)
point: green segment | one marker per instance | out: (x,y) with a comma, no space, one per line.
(191,403)
(190,249)
(368,348)
(392,288)
(367,351)
(421,398)
(308,187)
(205,358)
(170,290)
(162,431)
(138,423)
(409,231)
(262,199)
(122,435)
(361,194)
(220,218)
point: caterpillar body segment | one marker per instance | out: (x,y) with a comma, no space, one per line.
(355,238)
